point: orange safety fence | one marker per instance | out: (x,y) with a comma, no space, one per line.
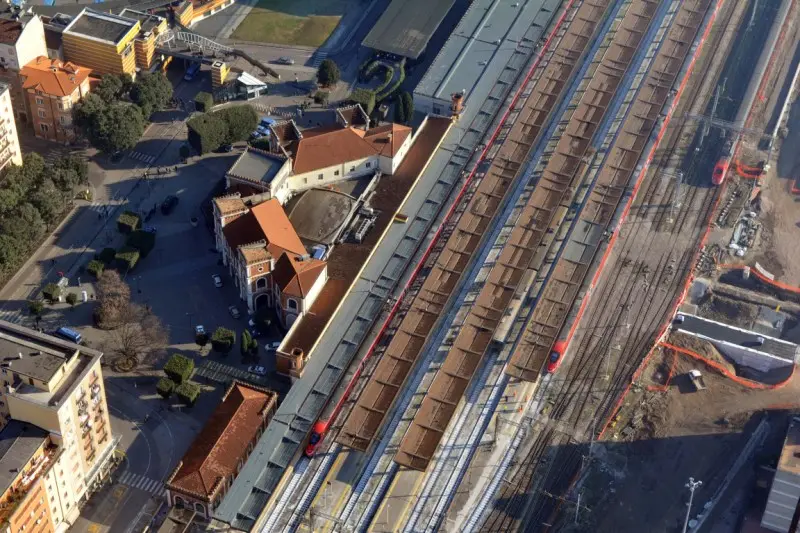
(750,384)
(757,273)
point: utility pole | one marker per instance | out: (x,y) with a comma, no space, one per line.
(691,485)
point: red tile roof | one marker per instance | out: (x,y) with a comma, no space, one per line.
(267,221)
(10,30)
(329,146)
(215,453)
(295,277)
(53,76)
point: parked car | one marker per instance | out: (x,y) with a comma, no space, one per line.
(191,71)
(272,346)
(199,330)
(226,148)
(252,327)
(217,280)
(150,229)
(283,60)
(260,370)
(234,311)
(169,204)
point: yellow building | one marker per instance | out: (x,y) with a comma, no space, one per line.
(54,394)
(102,42)
(151,26)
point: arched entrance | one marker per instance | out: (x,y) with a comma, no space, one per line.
(261,301)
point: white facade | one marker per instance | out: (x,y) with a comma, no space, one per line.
(389,165)
(9,142)
(334,174)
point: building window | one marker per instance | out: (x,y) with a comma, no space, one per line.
(44,127)
(319,177)
(352,169)
(42,114)
(291,303)
(39,100)
(305,180)
(335,172)
(62,120)
(369,164)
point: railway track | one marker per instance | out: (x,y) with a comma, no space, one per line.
(578,391)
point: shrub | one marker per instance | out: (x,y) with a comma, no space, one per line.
(383,95)
(51,292)
(127,222)
(72,298)
(365,97)
(207,132)
(408,105)
(239,121)
(165,387)
(368,68)
(179,368)
(328,73)
(95,267)
(107,256)
(35,307)
(222,340)
(144,241)
(127,258)
(188,392)
(203,101)
(321,97)
(388,74)
(399,112)
(262,143)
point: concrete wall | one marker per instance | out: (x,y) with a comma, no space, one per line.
(782,501)
(750,358)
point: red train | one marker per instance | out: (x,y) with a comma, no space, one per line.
(556,355)
(720,170)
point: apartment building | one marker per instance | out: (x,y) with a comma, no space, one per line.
(54,428)
(52,88)
(9,142)
(102,42)
(21,40)
(150,27)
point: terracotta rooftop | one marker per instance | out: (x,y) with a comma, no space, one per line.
(229,204)
(254,255)
(266,221)
(216,451)
(53,76)
(295,277)
(334,145)
(10,30)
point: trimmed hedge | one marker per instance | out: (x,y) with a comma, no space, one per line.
(408,105)
(188,392)
(127,258)
(222,340)
(179,368)
(394,87)
(144,241)
(51,292)
(95,268)
(365,97)
(203,101)
(388,74)
(368,69)
(107,256)
(165,387)
(240,121)
(207,132)
(128,221)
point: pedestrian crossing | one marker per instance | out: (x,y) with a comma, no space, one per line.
(144,158)
(11,315)
(138,481)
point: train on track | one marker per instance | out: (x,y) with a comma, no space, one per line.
(723,165)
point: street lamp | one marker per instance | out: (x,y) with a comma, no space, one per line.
(691,485)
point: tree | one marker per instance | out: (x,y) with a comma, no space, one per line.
(201,339)
(95,268)
(248,345)
(36,307)
(179,368)
(165,387)
(140,335)
(72,298)
(69,172)
(408,106)
(9,200)
(51,292)
(321,97)
(399,112)
(203,101)
(328,73)
(86,111)
(118,127)
(11,251)
(25,224)
(113,296)
(222,340)
(151,92)
(239,120)
(207,132)
(188,392)
(109,89)
(49,201)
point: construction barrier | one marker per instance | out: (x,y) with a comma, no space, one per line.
(750,384)
(763,276)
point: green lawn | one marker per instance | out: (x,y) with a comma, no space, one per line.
(293,22)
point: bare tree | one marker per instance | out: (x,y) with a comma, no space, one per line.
(113,295)
(140,336)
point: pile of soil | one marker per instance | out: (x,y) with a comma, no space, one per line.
(729,311)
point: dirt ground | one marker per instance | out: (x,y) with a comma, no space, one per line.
(662,438)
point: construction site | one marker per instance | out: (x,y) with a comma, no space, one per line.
(607,300)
